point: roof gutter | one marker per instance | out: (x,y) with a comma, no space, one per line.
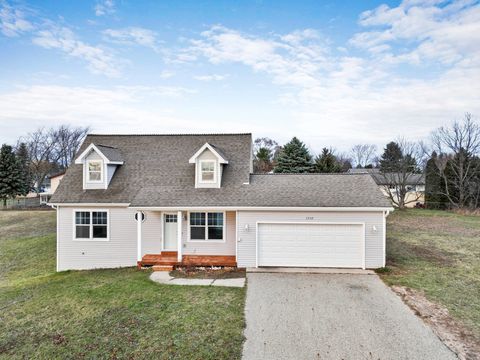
(90,204)
(263,208)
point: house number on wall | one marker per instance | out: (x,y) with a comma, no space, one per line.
(309,218)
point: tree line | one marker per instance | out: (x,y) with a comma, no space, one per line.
(25,166)
(448,163)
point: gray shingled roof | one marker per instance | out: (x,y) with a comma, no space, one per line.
(156,172)
(363,170)
(111,153)
(388,178)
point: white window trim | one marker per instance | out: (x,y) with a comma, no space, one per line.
(224,230)
(91,238)
(102,170)
(201,181)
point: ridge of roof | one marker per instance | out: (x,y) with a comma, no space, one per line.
(313,174)
(175,134)
(107,146)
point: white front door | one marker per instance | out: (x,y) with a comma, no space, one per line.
(170,232)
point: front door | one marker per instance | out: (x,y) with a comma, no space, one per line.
(170,232)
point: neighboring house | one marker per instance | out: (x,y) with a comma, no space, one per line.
(415,184)
(48,191)
(34,200)
(192,199)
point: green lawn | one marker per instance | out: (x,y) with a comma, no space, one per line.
(438,252)
(103,313)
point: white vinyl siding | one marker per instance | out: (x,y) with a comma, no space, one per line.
(120,250)
(374,231)
(310,245)
(226,247)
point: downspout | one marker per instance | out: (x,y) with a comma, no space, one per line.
(55,207)
(385,214)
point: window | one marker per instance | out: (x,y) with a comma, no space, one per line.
(91,225)
(94,171)
(207,169)
(206,226)
(170,218)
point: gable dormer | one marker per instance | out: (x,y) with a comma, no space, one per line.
(209,162)
(99,165)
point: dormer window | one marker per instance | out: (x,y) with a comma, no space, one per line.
(209,163)
(100,163)
(207,171)
(95,173)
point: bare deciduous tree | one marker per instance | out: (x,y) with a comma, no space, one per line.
(41,150)
(50,150)
(265,151)
(401,174)
(68,140)
(458,163)
(363,154)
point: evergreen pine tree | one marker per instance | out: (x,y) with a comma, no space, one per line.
(294,158)
(391,157)
(23,158)
(263,160)
(11,183)
(434,185)
(327,162)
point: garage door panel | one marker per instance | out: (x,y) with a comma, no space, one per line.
(310,245)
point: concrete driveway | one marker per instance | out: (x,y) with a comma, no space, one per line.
(332,316)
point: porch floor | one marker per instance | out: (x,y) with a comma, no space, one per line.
(169,258)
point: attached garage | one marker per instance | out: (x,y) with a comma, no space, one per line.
(311,244)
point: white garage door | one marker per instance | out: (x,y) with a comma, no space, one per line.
(311,245)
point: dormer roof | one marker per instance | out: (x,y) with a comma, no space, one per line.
(109,154)
(214,149)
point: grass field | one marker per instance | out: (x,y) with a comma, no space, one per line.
(439,253)
(103,313)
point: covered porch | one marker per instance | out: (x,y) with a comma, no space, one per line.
(170,238)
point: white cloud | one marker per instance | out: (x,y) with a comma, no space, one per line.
(430,30)
(13,21)
(49,35)
(99,60)
(338,99)
(133,36)
(166,74)
(114,110)
(104,7)
(291,59)
(213,77)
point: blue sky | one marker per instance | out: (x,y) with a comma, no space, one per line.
(332,73)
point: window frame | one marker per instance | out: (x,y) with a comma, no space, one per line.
(214,181)
(207,240)
(91,238)
(101,171)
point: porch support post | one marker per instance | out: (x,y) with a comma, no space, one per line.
(179,236)
(139,236)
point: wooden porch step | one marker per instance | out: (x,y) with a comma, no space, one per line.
(187,260)
(162,267)
(169,253)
